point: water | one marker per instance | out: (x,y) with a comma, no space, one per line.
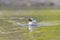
(41,24)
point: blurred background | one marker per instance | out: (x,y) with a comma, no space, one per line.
(29,4)
(14,15)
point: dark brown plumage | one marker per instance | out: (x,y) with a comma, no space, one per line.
(30,20)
